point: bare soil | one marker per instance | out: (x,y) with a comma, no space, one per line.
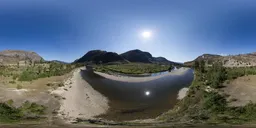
(79,99)
(241,91)
(34,91)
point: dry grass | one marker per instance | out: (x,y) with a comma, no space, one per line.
(241,90)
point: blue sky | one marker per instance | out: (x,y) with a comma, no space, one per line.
(181,30)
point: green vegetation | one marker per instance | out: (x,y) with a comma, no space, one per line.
(54,69)
(209,105)
(19,86)
(35,71)
(28,110)
(133,68)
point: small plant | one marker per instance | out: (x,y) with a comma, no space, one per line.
(12,82)
(61,84)
(19,86)
(233,99)
(9,102)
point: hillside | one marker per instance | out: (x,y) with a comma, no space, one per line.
(15,56)
(98,56)
(144,57)
(241,60)
(137,56)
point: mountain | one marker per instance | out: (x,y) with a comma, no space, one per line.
(209,58)
(138,56)
(98,56)
(162,60)
(144,57)
(241,60)
(15,56)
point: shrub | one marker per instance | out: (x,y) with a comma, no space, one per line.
(19,86)
(214,101)
(12,82)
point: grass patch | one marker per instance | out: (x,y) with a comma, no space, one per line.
(133,68)
(38,70)
(28,110)
(54,69)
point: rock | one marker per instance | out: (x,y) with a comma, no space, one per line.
(19,56)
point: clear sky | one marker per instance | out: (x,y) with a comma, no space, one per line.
(181,29)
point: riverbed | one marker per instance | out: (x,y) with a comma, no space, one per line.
(139,100)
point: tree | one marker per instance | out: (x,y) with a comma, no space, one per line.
(41,60)
(18,64)
(196,65)
(202,66)
(30,62)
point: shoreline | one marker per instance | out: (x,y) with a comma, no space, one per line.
(79,99)
(180,71)
(182,93)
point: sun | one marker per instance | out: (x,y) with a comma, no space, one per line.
(146,34)
(147,93)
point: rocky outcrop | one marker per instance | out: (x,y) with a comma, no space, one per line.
(15,56)
(241,60)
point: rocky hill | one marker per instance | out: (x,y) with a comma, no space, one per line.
(98,56)
(15,56)
(241,60)
(144,57)
(138,56)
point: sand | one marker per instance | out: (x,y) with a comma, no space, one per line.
(180,71)
(79,99)
(182,93)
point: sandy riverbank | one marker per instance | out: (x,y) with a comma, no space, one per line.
(182,93)
(79,99)
(141,79)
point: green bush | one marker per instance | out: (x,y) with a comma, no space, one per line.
(19,86)
(55,69)
(28,110)
(12,82)
(214,102)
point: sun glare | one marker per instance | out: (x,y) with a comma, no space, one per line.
(146,34)
(147,93)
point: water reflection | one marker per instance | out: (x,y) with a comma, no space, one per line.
(129,101)
(147,93)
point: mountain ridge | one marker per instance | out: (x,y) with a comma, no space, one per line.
(136,55)
(240,60)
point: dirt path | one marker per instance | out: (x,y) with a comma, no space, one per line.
(141,79)
(241,90)
(79,99)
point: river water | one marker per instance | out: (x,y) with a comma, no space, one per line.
(143,100)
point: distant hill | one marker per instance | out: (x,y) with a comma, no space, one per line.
(98,56)
(209,58)
(241,60)
(15,56)
(144,57)
(58,61)
(137,56)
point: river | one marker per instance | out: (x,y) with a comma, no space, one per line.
(142,100)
